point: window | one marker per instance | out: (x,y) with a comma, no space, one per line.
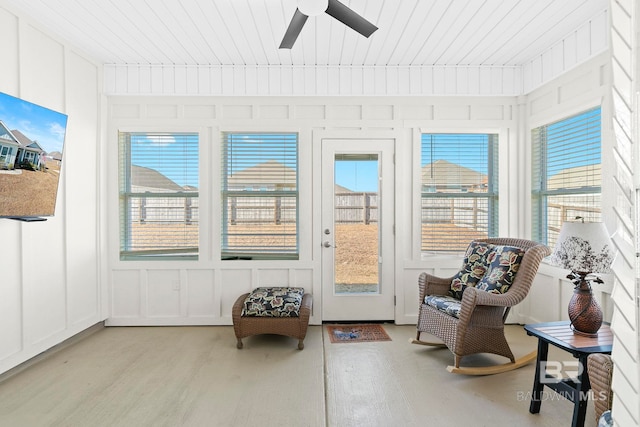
(158,195)
(566,174)
(459,187)
(259,196)
(5,153)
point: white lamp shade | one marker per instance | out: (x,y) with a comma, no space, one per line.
(583,247)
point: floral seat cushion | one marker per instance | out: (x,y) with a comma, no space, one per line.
(273,302)
(444,303)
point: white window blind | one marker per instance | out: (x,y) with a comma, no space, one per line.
(566,181)
(459,187)
(158,195)
(259,196)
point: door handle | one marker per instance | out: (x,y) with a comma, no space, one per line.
(327,244)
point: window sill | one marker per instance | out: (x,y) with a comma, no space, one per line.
(157,257)
(259,257)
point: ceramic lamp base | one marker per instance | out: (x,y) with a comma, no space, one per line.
(584,311)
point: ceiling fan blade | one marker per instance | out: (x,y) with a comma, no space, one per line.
(348,17)
(295,26)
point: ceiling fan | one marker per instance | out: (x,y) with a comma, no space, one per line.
(334,8)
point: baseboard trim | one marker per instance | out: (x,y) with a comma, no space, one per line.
(51,351)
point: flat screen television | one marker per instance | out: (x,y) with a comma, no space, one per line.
(31,147)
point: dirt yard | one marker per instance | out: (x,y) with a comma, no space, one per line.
(356,254)
(457,238)
(356,244)
(28,193)
(357,248)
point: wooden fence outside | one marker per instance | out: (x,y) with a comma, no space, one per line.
(261,210)
(559,213)
(164,210)
(462,212)
(356,208)
(349,208)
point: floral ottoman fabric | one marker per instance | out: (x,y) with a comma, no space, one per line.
(273,302)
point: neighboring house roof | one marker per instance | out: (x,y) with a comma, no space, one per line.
(341,189)
(6,136)
(443,173)
(575,177)
(269,173)
(145,178)
(26,142)
(55,155)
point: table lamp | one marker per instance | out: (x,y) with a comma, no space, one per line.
(586,250)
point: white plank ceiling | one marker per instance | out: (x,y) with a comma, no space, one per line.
(248,32)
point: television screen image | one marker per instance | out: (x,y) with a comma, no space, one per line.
(31,147)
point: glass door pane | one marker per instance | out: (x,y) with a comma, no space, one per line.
(356,216)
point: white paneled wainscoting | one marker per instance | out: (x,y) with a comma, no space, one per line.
(191,296)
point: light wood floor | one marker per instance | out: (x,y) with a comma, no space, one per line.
(195,376)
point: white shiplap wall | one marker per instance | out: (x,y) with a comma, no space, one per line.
(580,45)
(625,38)
(50,288)
(318,80)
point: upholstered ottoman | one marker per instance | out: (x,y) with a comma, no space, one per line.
(272,310)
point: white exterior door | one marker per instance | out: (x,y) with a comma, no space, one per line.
(357,226)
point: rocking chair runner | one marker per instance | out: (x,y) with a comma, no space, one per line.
(478,326)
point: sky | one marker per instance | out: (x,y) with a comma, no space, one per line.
(581,148)
(357,175)
(37,123)
(159,152)
(467,150)
(174,155)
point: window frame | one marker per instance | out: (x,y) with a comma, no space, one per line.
(227,255)
(493,190)
(124,184)
(540,193)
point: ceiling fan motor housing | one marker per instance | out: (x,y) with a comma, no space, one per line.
(313,7)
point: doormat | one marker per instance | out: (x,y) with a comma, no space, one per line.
(357,333)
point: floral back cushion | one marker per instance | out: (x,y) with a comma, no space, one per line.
(474,268)
(504,262)
(273,302)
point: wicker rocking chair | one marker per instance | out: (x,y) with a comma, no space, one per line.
(475,322)
(600,370)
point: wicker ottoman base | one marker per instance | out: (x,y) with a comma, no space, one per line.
(295,327)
